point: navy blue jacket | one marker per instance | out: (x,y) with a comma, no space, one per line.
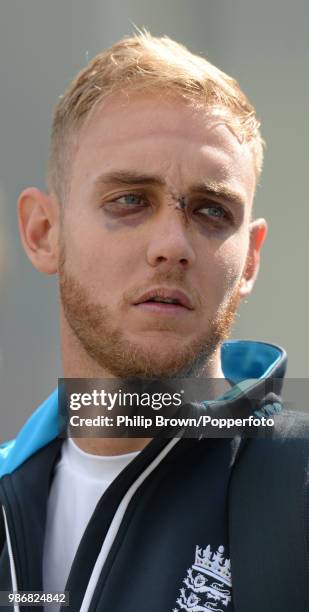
(210,524)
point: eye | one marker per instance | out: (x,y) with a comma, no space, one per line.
(130,200)
(214,211)
(125,204)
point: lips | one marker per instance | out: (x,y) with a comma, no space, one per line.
(162,295)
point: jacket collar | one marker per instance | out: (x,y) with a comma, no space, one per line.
(245,363)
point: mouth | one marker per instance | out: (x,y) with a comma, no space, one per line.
(165,301)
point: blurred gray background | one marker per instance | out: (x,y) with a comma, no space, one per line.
(265,45)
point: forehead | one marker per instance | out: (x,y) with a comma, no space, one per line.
(147,133)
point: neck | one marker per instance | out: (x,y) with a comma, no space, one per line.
(111,446)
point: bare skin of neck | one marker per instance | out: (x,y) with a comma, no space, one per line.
(78,364)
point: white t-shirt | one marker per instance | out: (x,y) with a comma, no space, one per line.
(80,479)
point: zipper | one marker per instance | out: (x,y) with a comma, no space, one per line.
(11,558)
(115,524)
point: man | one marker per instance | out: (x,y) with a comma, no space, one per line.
(155,156)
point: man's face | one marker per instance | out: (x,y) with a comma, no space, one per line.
(159,203)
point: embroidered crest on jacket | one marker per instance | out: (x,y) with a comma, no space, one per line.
(207,584)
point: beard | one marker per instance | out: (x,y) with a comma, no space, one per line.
(93,326)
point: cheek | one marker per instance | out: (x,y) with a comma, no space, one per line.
(100,262)
(227,266)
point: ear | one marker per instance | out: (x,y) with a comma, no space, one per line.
(38,219)
(258,232)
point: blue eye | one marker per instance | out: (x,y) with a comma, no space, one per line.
(130,199)
(216,212)
(125,205)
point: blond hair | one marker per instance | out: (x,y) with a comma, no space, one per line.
(144,62)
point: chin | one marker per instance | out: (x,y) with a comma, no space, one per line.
(155,361)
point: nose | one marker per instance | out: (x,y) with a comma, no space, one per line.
(171,241)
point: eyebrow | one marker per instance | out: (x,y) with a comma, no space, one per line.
(127,178)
